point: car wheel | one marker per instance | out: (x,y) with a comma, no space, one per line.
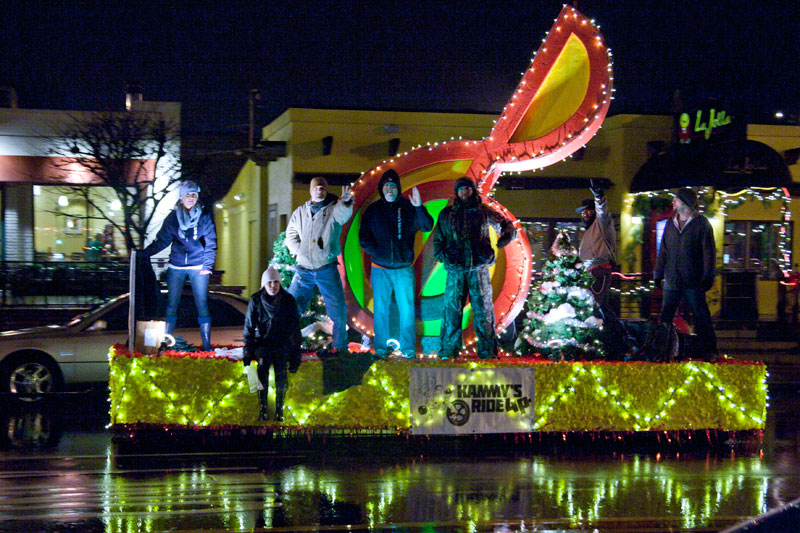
(29,375)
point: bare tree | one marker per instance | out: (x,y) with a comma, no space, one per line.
(134,153)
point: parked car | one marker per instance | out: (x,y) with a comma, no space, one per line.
(49,358)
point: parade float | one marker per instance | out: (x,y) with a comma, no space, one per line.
(558,106)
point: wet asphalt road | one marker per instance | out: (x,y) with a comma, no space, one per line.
(60,470)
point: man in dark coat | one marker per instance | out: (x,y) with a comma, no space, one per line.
(461,241)
(387,234)
(272,337)
(685,264)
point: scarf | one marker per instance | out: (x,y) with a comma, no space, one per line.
(271,305)
(189,219)
(317,207)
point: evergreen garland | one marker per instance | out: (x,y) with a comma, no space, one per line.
(284,263)
(561,322)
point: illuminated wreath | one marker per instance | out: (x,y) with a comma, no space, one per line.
(557,107)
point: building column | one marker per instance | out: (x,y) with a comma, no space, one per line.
(17,213)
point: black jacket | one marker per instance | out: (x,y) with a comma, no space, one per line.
(388,229)
(279,334)
(186,249)
(687,257)
(461,239)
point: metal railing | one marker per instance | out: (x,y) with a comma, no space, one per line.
(41,283)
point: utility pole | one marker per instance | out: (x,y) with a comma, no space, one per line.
(254,95)
(260,152)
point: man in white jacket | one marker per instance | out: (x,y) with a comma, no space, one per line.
(312,236)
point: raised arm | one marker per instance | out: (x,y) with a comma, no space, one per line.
(163,237)
(423,221)
(343,209)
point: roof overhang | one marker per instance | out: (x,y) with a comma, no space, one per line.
(734,165)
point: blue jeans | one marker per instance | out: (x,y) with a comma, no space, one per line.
(696,298)
(330,286)
(175,280)
(399,281)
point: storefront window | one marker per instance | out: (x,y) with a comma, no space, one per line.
(755,246)
(67,227)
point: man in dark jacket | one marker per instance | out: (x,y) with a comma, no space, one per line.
(272,337)
(461,241)
(685,264)
(387,234)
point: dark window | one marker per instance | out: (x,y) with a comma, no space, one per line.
(757,246)
(117,318)
(224,314)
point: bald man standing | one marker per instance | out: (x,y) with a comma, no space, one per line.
(312,236)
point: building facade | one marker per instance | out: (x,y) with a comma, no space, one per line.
(42,217)
(751,220)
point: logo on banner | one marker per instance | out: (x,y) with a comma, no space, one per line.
(458,400)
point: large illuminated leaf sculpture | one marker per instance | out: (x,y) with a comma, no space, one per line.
(557,107)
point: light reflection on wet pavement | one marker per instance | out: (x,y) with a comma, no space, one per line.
(61,472)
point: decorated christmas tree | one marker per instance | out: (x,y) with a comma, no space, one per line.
(314,323)
(561,322)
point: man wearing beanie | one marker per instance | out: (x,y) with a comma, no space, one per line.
(272,337)
(312,236)
(686,262)
(598,248)
(387,234)
(461,242)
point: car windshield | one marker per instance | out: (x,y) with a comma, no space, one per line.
(77,319)
(102,307)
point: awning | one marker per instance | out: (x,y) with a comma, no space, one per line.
(731,166)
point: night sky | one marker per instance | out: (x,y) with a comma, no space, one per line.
(403,55)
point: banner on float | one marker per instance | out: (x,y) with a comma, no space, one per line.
(454,401)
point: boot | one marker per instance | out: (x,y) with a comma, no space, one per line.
(263,412)
(280,394)
(205,336)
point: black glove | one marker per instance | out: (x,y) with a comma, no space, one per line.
(659,282)
(597,190)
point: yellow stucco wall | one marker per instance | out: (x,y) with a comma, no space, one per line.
(361,140)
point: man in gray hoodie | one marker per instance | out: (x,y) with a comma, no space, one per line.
(312,236)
